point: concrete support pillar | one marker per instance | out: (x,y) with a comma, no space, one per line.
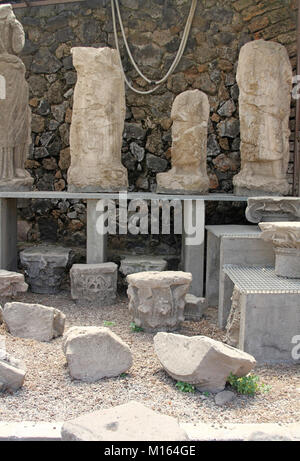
(193,243)
(8,234)
(96,243)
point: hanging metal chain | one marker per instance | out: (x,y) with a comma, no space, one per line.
(158,83)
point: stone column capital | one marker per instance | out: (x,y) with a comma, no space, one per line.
(273,209)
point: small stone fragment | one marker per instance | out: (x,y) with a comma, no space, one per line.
(194,308)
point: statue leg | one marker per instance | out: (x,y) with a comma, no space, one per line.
(20,152)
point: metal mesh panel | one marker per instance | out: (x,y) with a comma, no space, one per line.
(260,280)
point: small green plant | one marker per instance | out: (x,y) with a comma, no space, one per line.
(206,393)
(248,385)
(185,387)
(135,328)
(123,375)
(108,323)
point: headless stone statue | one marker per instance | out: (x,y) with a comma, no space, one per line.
(97,122)
(264,76)
(188,174)
(15,114)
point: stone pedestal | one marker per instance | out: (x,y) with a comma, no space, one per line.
(45,267)
(214,239)
(285,237)
(265,315)
(94,283)
(15,114)
(97,122)
(264,76)
(273,209)
(188,175)
(157,299)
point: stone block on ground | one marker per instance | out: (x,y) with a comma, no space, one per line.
(11,283)
(96,283)
(135,264)
(157,299)
(45,267)
(132,421)
(33,321)
(94,353)
(201,361)
(194,307)
(12,372)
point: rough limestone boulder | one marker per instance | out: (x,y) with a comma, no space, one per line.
(33,321)
(129,422)
(12,283)
(12,372)
(94,353)
(201,361)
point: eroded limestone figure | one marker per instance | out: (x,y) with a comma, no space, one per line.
(264,76)
(188,174)
(15,114)
(97,122)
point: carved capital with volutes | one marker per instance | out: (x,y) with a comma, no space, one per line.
(273,209)
(281,234)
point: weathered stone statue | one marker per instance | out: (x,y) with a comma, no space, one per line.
(15,114)
(264,76)
(188,174)
(97,122)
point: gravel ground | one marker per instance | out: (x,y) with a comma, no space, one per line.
(49,394)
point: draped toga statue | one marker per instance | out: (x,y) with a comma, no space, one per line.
(264,76)
(15,114)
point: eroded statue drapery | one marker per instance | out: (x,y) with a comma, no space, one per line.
(97,122)
(188,175)
(264,76)
(15,114)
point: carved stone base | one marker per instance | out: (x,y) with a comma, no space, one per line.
(94,283)
(245,185)
(172,183)
(111,180)
(16,185)
(157,299)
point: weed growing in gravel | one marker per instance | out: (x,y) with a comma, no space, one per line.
(107,323)
(185,387)
(248,385)
(134,328)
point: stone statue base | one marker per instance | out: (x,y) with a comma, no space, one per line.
(245,185)
(172,183)
(111,180)
(16,185)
